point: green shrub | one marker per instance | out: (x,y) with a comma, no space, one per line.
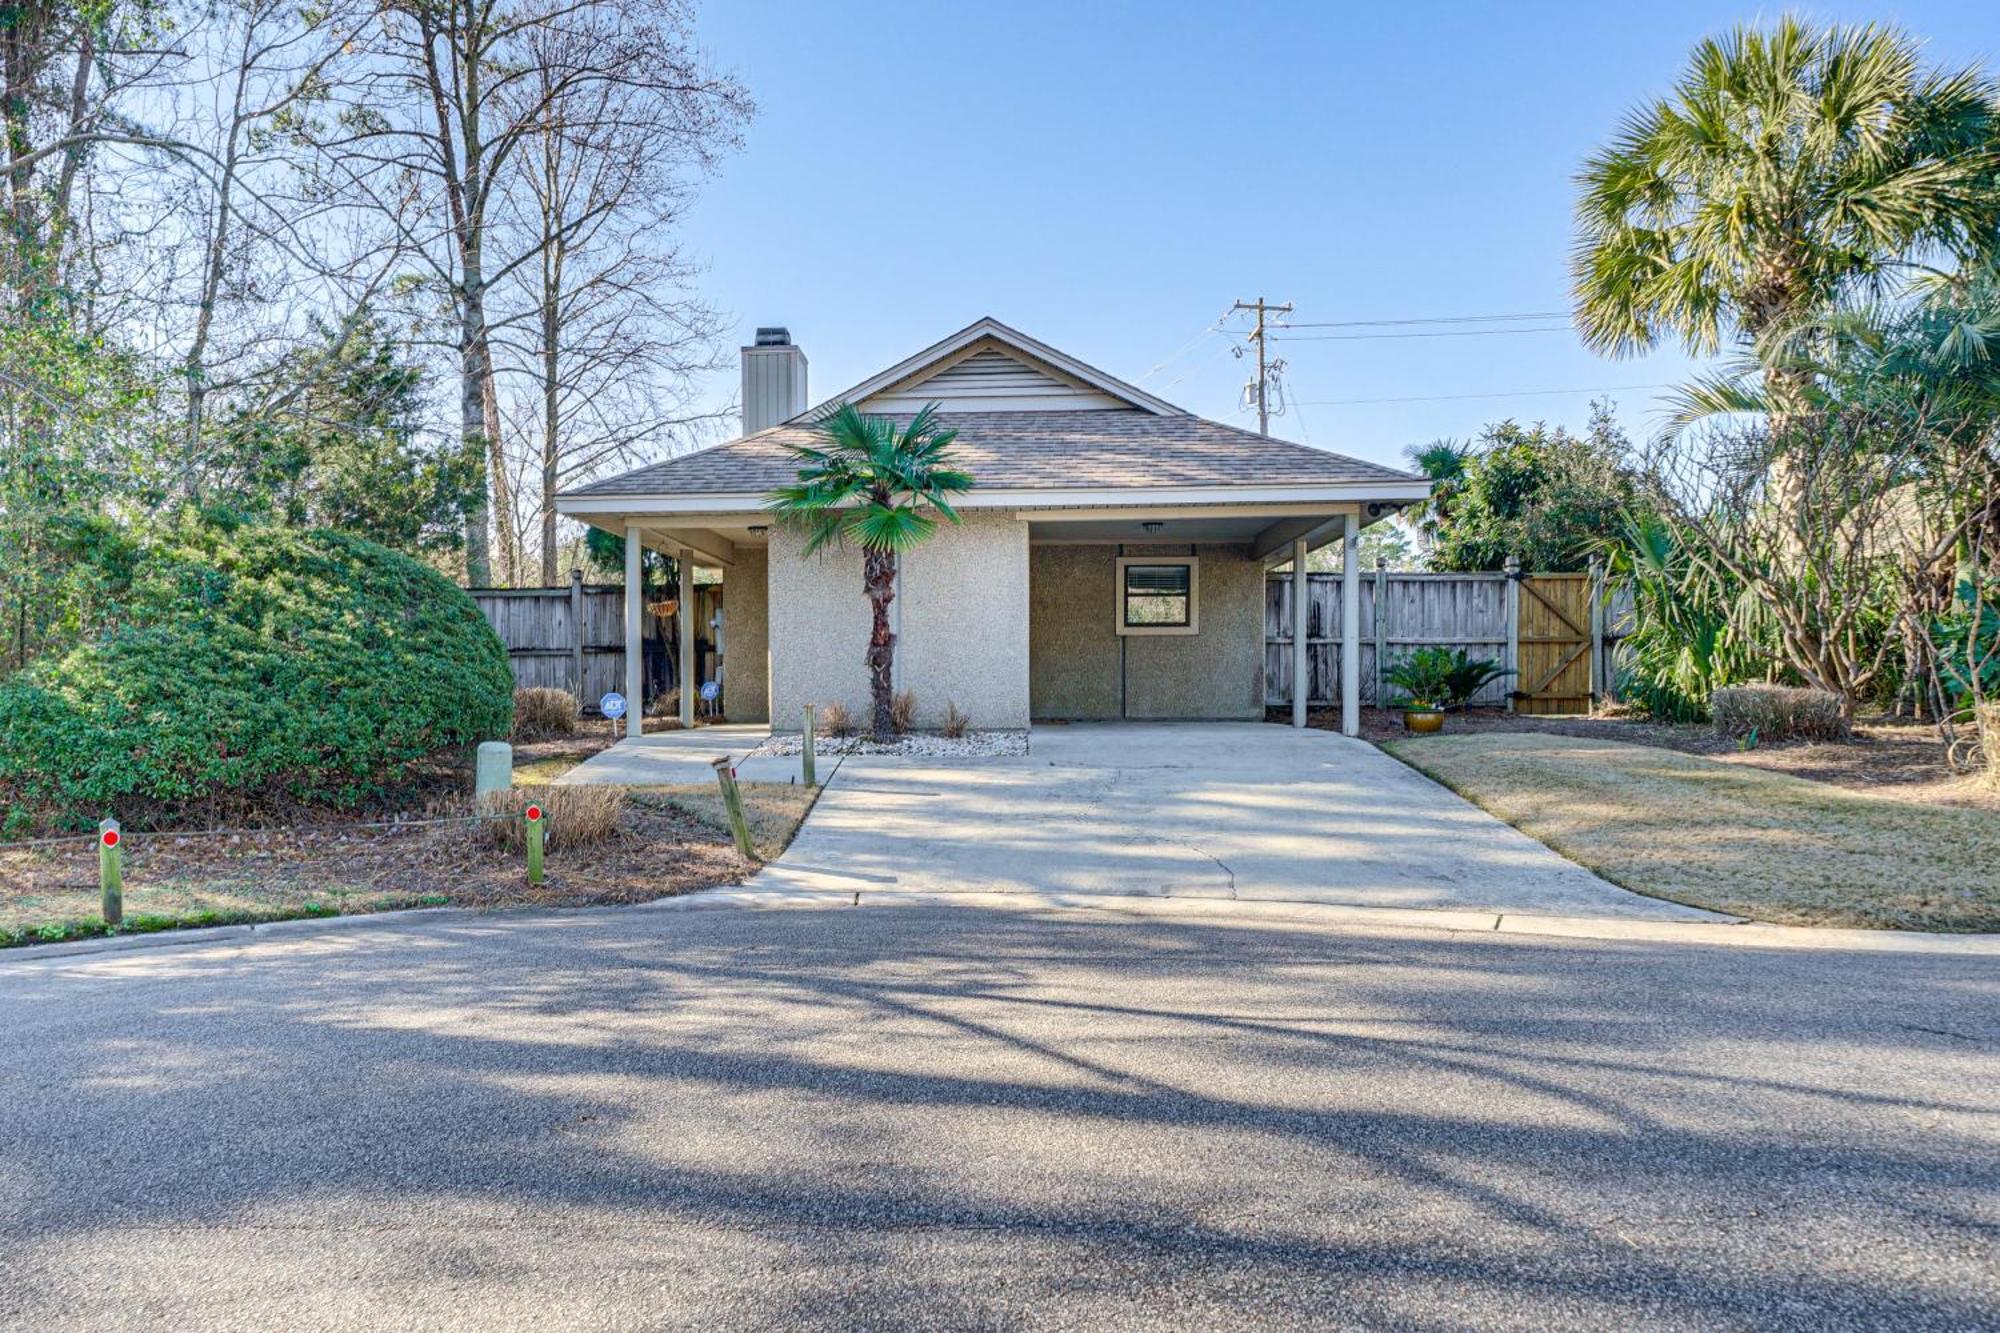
(1779,712)
(255,663)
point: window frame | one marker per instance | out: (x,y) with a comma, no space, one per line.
(1118,594)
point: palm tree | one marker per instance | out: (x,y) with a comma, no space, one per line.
(1787,169)
(884,487)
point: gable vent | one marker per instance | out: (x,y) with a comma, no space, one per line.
(990,380)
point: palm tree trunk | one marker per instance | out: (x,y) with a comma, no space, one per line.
(878,579)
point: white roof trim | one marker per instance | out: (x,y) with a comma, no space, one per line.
(985,498)
(990,327)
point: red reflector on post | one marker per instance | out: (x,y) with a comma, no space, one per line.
(534,812)
(111,837)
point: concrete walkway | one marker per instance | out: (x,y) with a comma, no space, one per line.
(1244,811)
(666,758)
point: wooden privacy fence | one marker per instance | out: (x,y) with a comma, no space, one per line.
(1555,631)
(570,638)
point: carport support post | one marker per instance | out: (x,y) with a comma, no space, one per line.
(1301,615)
(1350,626)
(689,667)
(635,633)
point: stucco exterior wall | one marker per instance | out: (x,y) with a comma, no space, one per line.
(963,636)
(962,625)
(1075,669)
(1072,640)
(746,640)
(818,621)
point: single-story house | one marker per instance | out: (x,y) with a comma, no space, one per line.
(1110,562)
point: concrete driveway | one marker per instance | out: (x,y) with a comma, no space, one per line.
(1214,810)
(951,1117)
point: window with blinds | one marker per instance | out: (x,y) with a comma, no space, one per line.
(1157,596)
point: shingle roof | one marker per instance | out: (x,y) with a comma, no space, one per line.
(1107,450)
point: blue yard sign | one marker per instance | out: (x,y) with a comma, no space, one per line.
(710,690)
(612,705)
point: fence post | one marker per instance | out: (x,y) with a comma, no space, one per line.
(576,634)
(806,750)
(534,818)
(1596,632)
(1513,601)
(732,803)
(111,870)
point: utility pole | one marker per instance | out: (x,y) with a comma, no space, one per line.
(1262,308)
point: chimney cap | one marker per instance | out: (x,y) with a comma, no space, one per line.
(774,336)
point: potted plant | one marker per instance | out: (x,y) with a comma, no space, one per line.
(1425,675)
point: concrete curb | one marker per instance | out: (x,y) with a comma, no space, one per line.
(1220,911)
(195,938)
(1735,934)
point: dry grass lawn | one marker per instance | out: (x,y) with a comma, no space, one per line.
(774,809)
(1728,837)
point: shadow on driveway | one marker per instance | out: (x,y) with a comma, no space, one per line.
(950,1117)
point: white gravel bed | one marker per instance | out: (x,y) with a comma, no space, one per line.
(915,744)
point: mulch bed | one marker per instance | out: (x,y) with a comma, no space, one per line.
(1887,757)
(657,851)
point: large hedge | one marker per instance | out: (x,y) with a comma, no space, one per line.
(261,661)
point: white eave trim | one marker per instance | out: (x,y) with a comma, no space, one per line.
(988,498)
(1011,337)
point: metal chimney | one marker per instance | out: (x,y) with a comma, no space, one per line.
(774,380)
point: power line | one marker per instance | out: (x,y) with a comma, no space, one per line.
(1186,347)
(1461,397)
(1434,333)
(1435,319)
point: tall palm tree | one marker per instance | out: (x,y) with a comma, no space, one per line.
(1788,168)
(884,487)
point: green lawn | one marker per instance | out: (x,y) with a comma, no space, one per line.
(1734,839)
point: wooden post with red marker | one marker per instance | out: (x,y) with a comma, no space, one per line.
(534,818)
(110,870)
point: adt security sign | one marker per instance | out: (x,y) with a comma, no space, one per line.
(710,691)
(612,705)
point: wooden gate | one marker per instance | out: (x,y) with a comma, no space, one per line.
(1553,627)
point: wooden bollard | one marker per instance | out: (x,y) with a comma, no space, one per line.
(732,804)
(534,818)
(806,754)
(111,870)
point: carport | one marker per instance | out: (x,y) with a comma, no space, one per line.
(1157,613)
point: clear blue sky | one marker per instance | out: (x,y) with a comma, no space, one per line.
(1109,177)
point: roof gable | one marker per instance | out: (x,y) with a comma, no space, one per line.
(989,367)
(991,377)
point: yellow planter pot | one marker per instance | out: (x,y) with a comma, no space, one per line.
(1423,719)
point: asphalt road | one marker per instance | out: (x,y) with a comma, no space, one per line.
(946,1117)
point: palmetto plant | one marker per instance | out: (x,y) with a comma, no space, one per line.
(883,486)
(1788,168)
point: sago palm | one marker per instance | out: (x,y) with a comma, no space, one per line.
(1788,168)
(882,486)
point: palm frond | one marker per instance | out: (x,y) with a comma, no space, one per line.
(870,481)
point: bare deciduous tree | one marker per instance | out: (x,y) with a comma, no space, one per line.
(454,95)
(606,336)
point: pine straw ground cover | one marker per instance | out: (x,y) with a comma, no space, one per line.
(667,841)
(1727,837)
